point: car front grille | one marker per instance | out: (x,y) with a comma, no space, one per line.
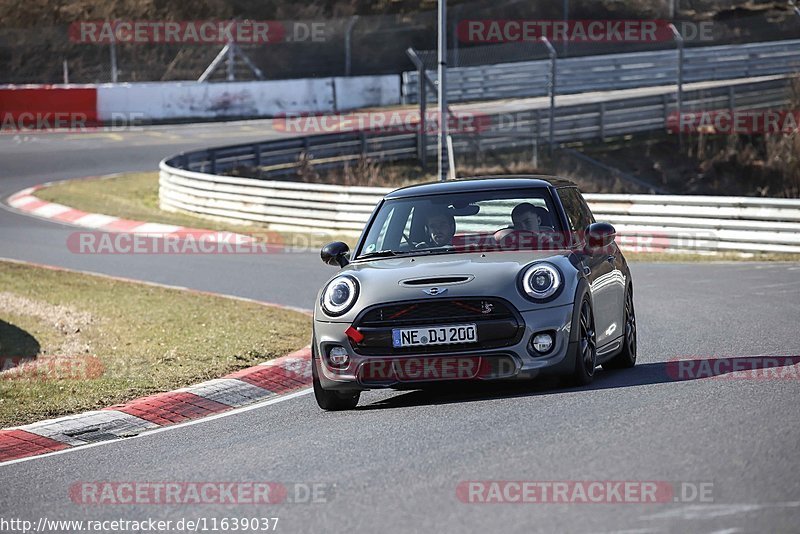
(497,322)
(441,311)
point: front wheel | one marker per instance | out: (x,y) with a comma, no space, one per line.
(627,357)
(586,357)
(332,400)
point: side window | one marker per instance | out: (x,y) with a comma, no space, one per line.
(576,209)
(586,213)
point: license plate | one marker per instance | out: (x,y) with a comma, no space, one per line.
(434,335)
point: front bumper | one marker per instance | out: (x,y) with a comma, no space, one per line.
(517,361)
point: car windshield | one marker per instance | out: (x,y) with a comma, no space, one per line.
(464,222)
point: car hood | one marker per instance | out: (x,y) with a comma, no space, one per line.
(488,274)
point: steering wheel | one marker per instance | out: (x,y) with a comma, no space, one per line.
(514,238)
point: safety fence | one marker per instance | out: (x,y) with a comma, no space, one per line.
(611,72)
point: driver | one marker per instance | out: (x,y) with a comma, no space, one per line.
(440,228)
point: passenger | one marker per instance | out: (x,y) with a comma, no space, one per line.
(532,218)
(524,217)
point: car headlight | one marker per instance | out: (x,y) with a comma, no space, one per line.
(541,281)
(339,295)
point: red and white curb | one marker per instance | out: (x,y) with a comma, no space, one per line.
(27,202)
(271,379)
(268,380)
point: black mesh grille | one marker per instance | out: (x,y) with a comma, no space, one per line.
(441,311)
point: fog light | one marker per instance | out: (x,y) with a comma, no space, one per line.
(542,343)
(338,356)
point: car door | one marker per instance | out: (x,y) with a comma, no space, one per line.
(599,267)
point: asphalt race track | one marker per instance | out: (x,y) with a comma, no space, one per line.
(393,464)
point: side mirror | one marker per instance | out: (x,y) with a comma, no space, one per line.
(335,253)
(599,235)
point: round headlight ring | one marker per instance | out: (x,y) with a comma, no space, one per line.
(339,295)
(541,281)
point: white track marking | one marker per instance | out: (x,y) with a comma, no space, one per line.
(235,411)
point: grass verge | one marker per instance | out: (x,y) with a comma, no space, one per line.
(87,342)
(135,196)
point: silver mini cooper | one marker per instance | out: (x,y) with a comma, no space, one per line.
(475,279)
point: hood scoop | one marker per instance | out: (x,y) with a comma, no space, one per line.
(437,280)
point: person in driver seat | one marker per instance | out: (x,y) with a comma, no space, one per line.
(440,227)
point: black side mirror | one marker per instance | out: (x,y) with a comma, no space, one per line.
(599,235)
(335,253)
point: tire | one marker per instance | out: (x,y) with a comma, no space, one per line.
(330,400)
(586,347)
(627,357)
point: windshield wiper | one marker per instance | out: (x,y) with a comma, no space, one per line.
(378,254)
(434,250)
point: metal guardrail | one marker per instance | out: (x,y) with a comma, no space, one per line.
(611,72)
(643,222)
(193,182)
(517,129)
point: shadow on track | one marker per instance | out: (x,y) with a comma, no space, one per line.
(672,371)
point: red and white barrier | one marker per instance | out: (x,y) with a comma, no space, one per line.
(33,107)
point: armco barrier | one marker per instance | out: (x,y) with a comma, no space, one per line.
(192,182)
(611,72)
(517,128)
(643,222)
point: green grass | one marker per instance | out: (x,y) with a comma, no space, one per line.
(135,196)
(131,196)
(146,339)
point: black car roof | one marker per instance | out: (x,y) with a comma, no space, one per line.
(480,183)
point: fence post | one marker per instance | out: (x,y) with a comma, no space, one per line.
(230,62)
(113,52)
(602,121)
(422,136)
(679,39)
(348,55)
(442,103)
(551,89)
(454,45)
(536,123)
(732,97)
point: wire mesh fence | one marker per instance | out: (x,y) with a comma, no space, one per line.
(372,44)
